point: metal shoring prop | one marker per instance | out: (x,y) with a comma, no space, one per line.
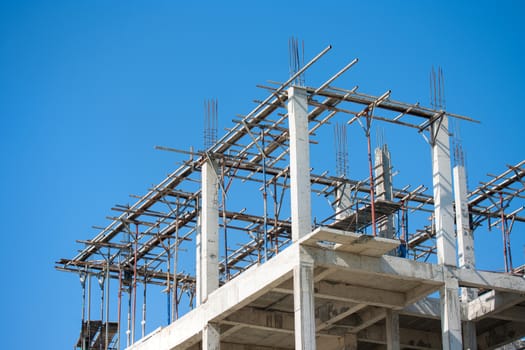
(130,290)
(168,272)
(143,322)
(119,312)
(506,237)
(89,306)
(82,335)
(368,113)
(265,202)
(101,279)
(224,226)
(107,298)
(175,302)
(134,310)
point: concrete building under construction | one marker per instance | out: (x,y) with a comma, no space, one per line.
(248,246)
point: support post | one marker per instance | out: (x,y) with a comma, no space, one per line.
(383,187)
(442,181)
(208,271)
(350,341)
(392,330)
(198,261)
(450,315)
(465,246)
(445,240)
(343,206)
(465,238)
(211,339)
(300,190)
(304,311)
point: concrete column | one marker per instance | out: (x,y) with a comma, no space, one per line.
(465,248)
(350,341)
(198,262)
(442,180)
(392,330)
(211,339)
(383,187)
(465,238)
(299,163)
(343,201)
(450,315)
(304,311)
(208,279)
(445,240)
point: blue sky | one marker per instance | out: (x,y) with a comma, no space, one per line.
(88,88)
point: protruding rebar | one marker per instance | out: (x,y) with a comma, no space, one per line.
(341,149)
(211,112)
(296,59)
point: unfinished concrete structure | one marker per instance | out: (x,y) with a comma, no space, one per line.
(266,275)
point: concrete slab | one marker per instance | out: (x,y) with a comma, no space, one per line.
(350,242)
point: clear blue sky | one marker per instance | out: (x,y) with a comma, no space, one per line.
(87,88)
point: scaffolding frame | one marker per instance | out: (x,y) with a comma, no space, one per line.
(141,244)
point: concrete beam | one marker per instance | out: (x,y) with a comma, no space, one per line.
(300,187)
(359,294)
(499,336)
(330,313)
(275,321)
(326,315)
(409,338)
(492,303)
(387,266)
(233,296)
(364,319)
(390,266)
(514,314)
(420,292)
(425,308)
(489,280)
(232,346)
